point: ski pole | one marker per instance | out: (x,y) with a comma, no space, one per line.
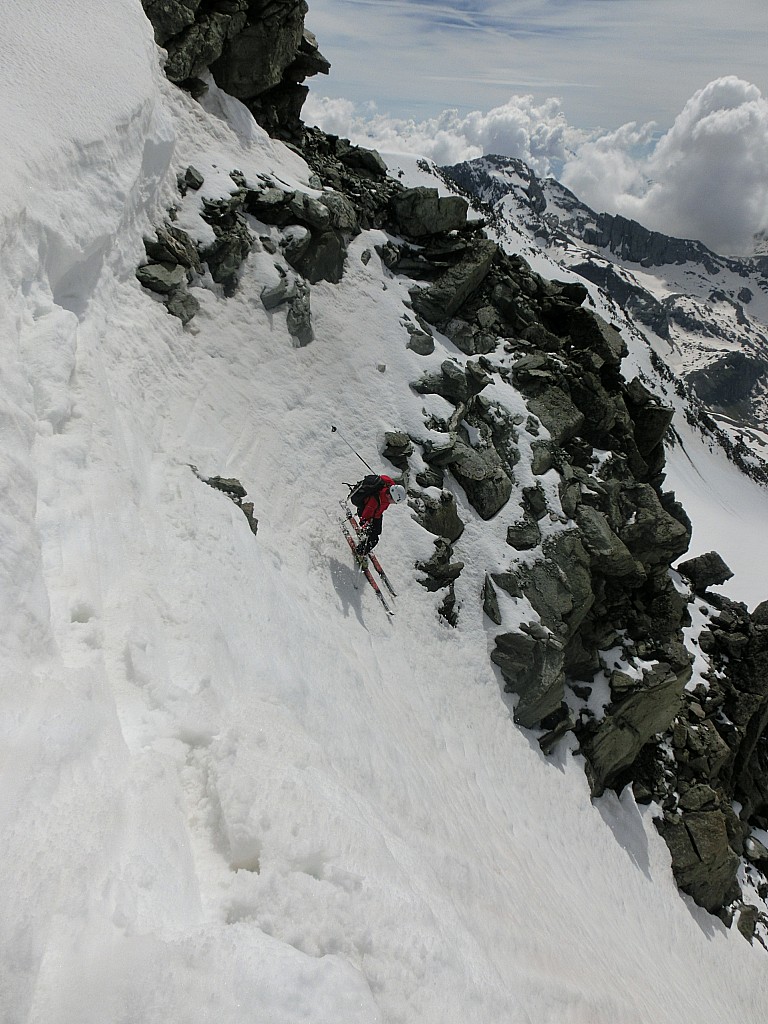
(346,442)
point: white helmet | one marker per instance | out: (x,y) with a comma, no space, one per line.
(397,493)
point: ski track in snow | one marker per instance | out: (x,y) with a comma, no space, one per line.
(232,789)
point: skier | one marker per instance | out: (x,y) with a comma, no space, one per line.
(371,496)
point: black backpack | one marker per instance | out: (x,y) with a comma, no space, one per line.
(363,490)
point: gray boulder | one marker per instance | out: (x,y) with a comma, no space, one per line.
(524,534)
(553,406)
(532,667)
(609,555)
(491,601)
(704,571)
(419,212)
(172,245)
(653,536)
(343,215)
(161,277)
(439,570)
(226,253)
(439,516)
(182,304)
(703,863)
(299,316)
(623,732)
(444,296)
(319,256)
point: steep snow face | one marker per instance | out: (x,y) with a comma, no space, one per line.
(231,790)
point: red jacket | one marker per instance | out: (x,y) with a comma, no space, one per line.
(377,503)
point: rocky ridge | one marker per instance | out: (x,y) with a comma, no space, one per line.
(587,620)
(708,312)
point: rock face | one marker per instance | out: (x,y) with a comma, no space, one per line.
(256,50)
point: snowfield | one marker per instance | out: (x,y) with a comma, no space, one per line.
(231,790)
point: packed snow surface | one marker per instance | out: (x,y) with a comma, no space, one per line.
(231,789)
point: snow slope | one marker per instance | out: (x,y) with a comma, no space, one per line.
(231,790)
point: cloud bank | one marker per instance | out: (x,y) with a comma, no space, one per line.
(705,178)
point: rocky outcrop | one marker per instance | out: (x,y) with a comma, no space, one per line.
(256,50)
(236,493)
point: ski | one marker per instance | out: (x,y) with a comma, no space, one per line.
(374,560)
(362,565)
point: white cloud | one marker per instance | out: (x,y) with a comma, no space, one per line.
(538,134)
(706,178)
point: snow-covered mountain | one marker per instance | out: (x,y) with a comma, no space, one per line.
(706,315)
(232,789)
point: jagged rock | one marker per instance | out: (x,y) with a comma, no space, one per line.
(226,253)
(253,523)
(193,178)
(169,17)
(469,338)
(172,245)
(299,317)
(421,342)
(702,861)
(317,255)
(524,534)
(276,295)
(559,585)
(440,571)
(161,277)
(557,412)
(623,732)
(491,601)
(652,535)
(650,418)
(699,798)
(532,668)
(705,571)
(609,555)
(456,383)
(255,58)
(439,516)
(182,304)
(480,472)
(361,159)
(197,46)
(270,205)
(621,684)
(442,299)
(343,215)
(588,330)
(307,210)
(230,485)
(535,501)
(397,448)
(422,211)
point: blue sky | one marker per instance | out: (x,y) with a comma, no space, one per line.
(608,61)
(656,109)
